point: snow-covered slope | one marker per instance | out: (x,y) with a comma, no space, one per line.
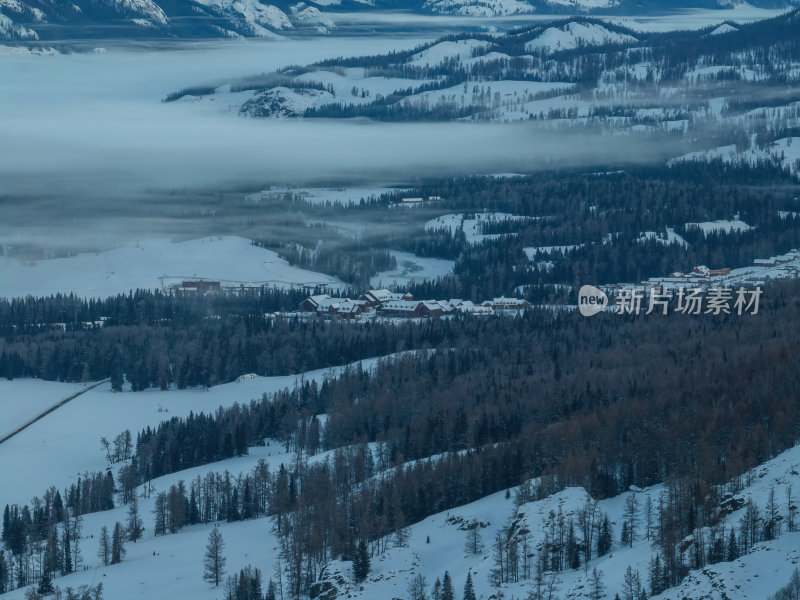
(473,226)
(575,35)
(144,8)
(27,19)
(282,102)
(584,5)
(55,450)
(784,152)
(461,49)
(724,28)
(251,14)
(169,567)
(479,8)
(722,226)
(438,544)
(535,73)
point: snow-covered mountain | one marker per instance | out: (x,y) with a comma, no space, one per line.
(22,20)
(41,19)
(707,87)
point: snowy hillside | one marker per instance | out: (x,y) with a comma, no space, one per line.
(258,18)
(444,542)
(22,20)
(473,227)
(575,35)
(717,101)
(784,152)
(31,19)
(479,8)
(461,50)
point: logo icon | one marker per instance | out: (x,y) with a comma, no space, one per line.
(591,300)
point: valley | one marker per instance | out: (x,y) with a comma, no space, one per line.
(290,300)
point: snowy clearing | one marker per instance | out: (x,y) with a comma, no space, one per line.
(473,227)
(52,449)
(140,265)
(412,269)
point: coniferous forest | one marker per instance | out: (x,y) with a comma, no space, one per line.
(550,396)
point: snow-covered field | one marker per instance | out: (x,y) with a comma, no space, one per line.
(23,399)
(482,92)
(722,226)
(229,259)
(533,252)
(66,443)
(412,269)
(671,237)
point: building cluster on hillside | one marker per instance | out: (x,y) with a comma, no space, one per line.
(777,267)
(201,286)
(387,304)
(419,201)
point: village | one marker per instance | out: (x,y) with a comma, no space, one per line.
(385,304)
(763,269)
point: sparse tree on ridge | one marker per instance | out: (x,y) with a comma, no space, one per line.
(448,592)
(214,561)
(134,526)
(418,588)
(597,589)
(361,562)
(631,517)
(117,544)
(469,590)
(474,543)
(104,548)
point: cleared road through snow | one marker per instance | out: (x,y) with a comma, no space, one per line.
(43,414)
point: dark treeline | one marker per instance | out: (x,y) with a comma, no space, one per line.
(556,396)
(549,395)
(603,217)
(163,352)
(159,340)
(140,307)
(43,538)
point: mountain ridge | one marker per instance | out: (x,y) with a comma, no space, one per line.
(42,20)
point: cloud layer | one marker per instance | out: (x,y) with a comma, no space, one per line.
(85,141)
